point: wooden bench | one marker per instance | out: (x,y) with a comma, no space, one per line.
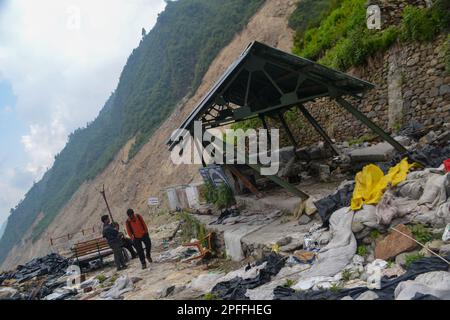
(203,251)
(84,252)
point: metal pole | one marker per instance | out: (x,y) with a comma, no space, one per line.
(361,117)
(318,128)
(107,205)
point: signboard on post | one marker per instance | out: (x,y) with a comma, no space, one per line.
(153,201)
(153,204)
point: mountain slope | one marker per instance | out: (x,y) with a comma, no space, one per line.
(167,66)
(2,229)
(130,182)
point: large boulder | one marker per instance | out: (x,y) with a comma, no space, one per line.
(394,243)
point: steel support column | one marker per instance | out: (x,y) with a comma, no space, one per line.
(361,117)
(317,126)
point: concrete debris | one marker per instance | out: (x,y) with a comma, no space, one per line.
(376,153)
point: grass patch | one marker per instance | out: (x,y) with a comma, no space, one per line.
(362,250)
(410,258)
(421,233)
(347,275)
(336,287)
(447,54)
(101,278)
(364,138)
(210,296)
(289,283)
(374,234)
(342,39)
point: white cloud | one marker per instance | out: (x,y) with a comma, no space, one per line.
(63,65)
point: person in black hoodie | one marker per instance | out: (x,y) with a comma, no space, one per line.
(111,234)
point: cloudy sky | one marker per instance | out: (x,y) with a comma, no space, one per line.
(59,62)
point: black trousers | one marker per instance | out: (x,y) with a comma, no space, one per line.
(119,259)
(128,244)
(139,248)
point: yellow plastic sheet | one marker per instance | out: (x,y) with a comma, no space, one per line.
(371,183)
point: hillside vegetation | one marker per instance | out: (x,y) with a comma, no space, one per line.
(342,40)
(168,65)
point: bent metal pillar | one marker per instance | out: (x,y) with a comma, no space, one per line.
(318,128)
(361,117)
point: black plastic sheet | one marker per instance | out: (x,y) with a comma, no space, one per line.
(328,205)
(386,292)
(236,288)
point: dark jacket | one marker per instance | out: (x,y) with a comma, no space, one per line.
(111,234)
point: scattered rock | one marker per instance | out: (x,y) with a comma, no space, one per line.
(7,293)
(434,246)
(394,243)
(444,250)
(401,258)
(368,295)
(304,219)
(294,245)
(284,241)
(304,256)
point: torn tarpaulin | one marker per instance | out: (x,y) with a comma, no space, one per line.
(236,288)
(341,198)
(429,156)
(386,292)
(52,265)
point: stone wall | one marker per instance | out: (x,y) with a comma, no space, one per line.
(411,84)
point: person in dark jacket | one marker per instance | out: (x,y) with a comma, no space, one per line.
(111,234)
(126,242)
(138,232)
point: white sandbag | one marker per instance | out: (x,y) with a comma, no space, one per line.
(391,207)
(339,252)
(436,283)
(436,190)
(205,282)
(122,285)
(366,216)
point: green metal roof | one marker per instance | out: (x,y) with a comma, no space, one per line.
(264,79)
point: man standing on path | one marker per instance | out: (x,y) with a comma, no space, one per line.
(138,232)
(112,236)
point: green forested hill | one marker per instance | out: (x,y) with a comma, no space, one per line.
(168,64)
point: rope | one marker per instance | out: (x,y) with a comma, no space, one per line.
(422,245)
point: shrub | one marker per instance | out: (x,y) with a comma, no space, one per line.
(447,54)
(419,24)
(225,197)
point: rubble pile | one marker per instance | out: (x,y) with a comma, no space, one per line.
(385,235)
(34,280)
